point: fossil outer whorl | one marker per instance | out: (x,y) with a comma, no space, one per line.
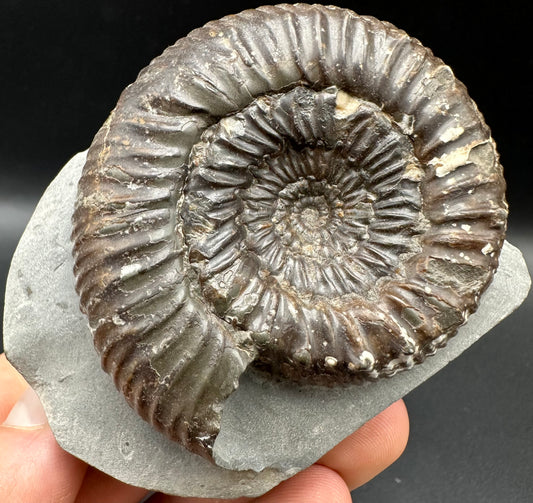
(294,187)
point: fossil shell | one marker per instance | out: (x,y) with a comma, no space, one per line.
(296,188)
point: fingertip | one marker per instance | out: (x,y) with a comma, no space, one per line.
(34,468)
(316,484)
(98,486)
(12,386)
(372,448)
(28,412)
(386,434)
(165,498)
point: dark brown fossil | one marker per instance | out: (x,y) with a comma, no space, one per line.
(295,188)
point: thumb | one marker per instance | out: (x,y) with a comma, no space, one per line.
(28,412)
(32,465)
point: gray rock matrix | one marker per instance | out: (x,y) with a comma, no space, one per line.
(269,430)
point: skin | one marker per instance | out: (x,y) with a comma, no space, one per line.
(34,468)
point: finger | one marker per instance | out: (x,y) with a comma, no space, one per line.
(372,448)
(32,466)
(316,484)
(98,486)
(12,385)
(165,498)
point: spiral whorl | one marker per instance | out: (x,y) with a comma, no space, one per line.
(294,186)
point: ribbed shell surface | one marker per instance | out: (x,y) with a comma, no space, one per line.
(294,187)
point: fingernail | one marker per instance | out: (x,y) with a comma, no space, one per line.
(28,412)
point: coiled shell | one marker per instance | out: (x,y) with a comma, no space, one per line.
(296,187)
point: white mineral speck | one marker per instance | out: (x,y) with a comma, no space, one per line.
(330,361)
(345,105)
(450,161)
(487,249)
(413,172)
(451,134)
(117,320)
(129,270)
(367,358)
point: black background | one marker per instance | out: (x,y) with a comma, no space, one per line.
(63,66)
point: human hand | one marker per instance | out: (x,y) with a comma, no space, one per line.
(33,468)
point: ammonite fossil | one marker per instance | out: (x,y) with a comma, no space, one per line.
(295,188)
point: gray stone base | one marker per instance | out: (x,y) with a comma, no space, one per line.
(269,430)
